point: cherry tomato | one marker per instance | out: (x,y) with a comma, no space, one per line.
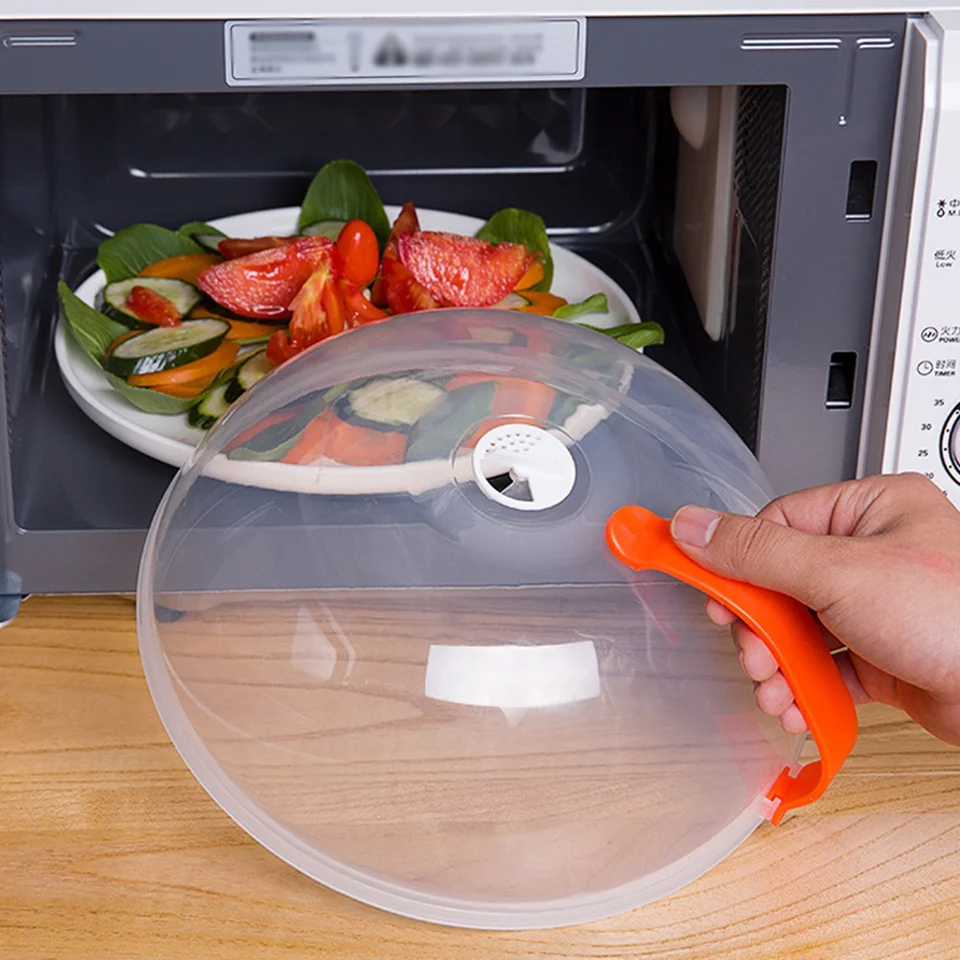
(357,245)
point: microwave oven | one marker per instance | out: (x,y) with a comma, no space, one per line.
(778,191)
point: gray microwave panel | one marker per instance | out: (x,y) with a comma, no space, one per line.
(195,56)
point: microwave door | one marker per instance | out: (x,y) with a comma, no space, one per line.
(912,410)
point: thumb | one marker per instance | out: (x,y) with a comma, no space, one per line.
(761,552)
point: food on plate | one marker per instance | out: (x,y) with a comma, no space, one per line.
(160,348)
(264,284)
(156,301)
(186,267)
(189,320)
(391,420)
(463,271)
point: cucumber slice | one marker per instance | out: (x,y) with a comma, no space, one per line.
(254,370)
(460,411)
(388,403)
(234,390)
(211,306)
(184,296)
(162,348)
(209,242)
(324,228)
(513,301)
(210,409)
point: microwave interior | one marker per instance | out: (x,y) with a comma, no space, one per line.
(739,206)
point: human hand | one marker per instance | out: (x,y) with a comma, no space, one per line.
(878,561)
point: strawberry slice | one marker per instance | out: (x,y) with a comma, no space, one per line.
(463,271)
(264,284)
(151,307)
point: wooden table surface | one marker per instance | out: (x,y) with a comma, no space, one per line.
(109,849)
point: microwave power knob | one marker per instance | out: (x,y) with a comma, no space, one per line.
(950,444)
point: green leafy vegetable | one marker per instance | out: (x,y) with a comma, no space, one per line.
(325,228)
(595,304)
(129,250)
(647,334)
(197,228)
(634,335)
(93,330)
(521,226)
(343,191)
(152,401)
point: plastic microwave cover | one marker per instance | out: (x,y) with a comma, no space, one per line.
(381,623)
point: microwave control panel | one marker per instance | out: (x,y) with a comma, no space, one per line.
(930,417)
(925,411)
(930,438)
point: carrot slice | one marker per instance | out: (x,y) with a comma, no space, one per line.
(512,395)
(188,391)
(249,433)
(528,398)
(125,336)
(533,275)
(543,304)
(329,436)
(208,366)
(241,330)
(186,267)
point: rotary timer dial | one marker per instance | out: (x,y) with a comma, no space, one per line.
(950,444)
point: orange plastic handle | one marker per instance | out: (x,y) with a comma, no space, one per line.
(642,541)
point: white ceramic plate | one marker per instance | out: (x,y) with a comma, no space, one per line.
(171,440)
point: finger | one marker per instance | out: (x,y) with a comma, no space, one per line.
(774,696)
(834,509)
(856,507)
(809,511)
(719,614)
(811,569)
(755,657)
(866,682)
(792,720)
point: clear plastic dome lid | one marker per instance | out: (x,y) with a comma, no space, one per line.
(382,623)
